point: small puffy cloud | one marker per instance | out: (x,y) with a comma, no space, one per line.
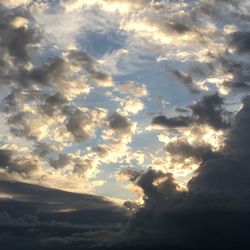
(82,123)
(119,123)
(132,106)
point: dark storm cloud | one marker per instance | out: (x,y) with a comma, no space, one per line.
(214,212)
(47,199)
(207,111)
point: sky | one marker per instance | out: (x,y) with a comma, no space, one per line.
(124,124)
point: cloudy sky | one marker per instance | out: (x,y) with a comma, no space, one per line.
(124,123)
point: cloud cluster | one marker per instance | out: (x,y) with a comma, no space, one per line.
(73,97)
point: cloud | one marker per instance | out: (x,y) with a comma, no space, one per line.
(217,199)
(72,120)
(180,121)
(186,80)
(186,150)
(207,111)
(240,41)
(131,88)
(55,218)
(119,123)
(14,3)
(132,106)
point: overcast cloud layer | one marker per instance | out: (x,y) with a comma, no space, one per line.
(124,124)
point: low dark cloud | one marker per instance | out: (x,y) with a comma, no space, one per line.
(34,217)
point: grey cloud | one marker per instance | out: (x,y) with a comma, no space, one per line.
(130,173)
(53,104)
(75,125)
(16,41)
(17,164)
(240,41)
(61,162)
(186,150)
(53,71)
(237,69)
(179,27)
(57,69)
(5,158)
(16,44)
(19,125)
(119,123)
(185,79)
(181,110)
(238,140)
(154,193)
(89,64)
(237,86)
(175,122)
(209,110)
